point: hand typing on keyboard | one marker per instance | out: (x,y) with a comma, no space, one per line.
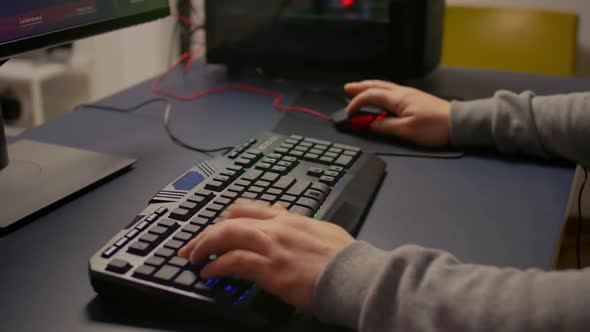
(282,253)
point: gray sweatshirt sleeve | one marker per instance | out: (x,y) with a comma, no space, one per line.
(548,127)
(416,289)
(412,289)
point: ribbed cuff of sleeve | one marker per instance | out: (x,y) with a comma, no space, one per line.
(472,123)
(343,286)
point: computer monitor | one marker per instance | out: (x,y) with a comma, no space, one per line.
(27,25)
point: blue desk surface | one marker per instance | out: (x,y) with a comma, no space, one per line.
(487,210)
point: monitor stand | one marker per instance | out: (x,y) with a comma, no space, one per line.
(35,176)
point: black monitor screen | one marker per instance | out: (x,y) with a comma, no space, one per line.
(299,33)
(31,24)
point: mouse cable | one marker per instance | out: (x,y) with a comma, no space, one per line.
(278,97)
(579,233)
(167,116)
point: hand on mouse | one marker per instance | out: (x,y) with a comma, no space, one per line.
(419,117)
(282,253)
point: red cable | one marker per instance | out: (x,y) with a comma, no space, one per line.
(183,20)
(278,97)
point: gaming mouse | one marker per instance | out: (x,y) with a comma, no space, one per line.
(360,120)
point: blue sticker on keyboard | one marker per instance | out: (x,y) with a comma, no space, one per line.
(189,181)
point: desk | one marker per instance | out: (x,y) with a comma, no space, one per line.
(486,210)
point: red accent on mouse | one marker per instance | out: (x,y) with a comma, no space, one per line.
(360,120)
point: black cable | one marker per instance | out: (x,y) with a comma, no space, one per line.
(579,234)
(167,115)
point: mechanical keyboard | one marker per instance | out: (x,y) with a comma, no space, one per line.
(310,177)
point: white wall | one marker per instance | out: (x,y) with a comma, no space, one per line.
(581,7)
(123,58)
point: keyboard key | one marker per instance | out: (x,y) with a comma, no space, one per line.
(233,155)
(236,188)
(335,150)
(286,164)
(200,221)
(279,169)
(152,217)
(269,160)
(164,252)
(284,183)
(326,160)
(205,193)
(275,156)
(155,261)
(315,171)
(338,169)
(144,272)
(317,141)
(296,153)
(207,214)
(299,188)
(166,274)
(306,144)
(268,198)
(289,158)
(296,137)
(249,195)
(252,175)
(287,146)
(288,198)
(256,189)
(174,244)
(186,279)
(139,248)
(244,162)
(347,147)
(286,205)
(350,153)
(222,201)
(191,229)
(237,169)
(263,166)
(161,211)
(344,161)
(329,180)
(110,252)
(310,203)
(270,177)
(331,154)
(316,151)
(148,238)
(311,156)
(167,223)
(202,288)
(183,236)
(215,185)
(291,141)
(315,194)
(159,230)
(263,184)
(301,210)
(180,214)
(281,150)
(321,147)
(231,195)
(274,191)
(132,233)
(332,174)
(190,206)
(122,242)
(215,207)
(301,148)
(197,199)
(119,266)
(321,187)
(179,261)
